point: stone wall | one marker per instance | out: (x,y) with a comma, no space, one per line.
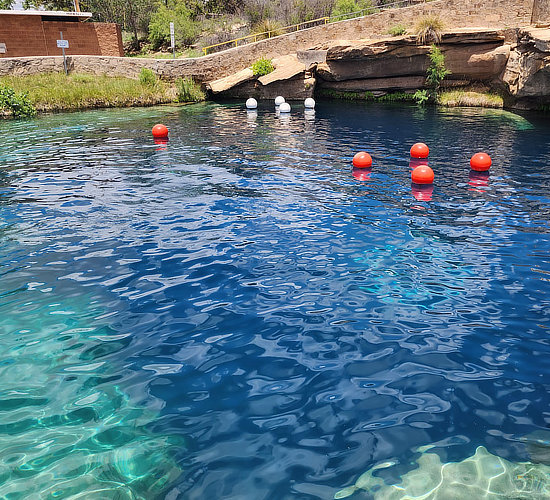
(541,13)
(455,13)
(34,35)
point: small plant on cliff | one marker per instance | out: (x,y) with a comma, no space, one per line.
(421,97)
(397,30)
(17,103)
(428,30)
(262,67)
(436,71)
(189,90)
(147,78)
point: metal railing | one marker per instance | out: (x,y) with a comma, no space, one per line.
(236,42)
(267,34)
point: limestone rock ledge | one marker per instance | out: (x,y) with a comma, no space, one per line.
(289,78)
(469,55)
(527,74)
(515,61)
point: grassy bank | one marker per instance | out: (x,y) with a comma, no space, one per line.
(367,96)
(57,92)
(449,98)
(454,98)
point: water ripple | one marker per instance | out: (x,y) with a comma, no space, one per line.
(233,314)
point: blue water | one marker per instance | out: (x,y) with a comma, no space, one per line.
(234,315)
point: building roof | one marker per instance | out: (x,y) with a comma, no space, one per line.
(56,13)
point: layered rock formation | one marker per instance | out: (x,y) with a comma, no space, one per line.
(516,62)
(527,73)
(290,78)
(399,64)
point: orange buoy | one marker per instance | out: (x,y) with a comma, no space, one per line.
(480,162)
(362,160)
(420,150)
(160,131)
(422,175)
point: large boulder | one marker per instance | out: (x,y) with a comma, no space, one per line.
(476,62)
(527,74)
(289,79)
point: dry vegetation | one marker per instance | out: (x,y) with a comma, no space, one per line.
(453,98)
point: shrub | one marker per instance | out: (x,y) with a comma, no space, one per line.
(436,71)
(397,30)
(17,103)
(189,90)
(186,30)
(147,78)
(257,11)
(421,97)
(428,29)
(301,11)
(345,9)
(267,25)
(262,67)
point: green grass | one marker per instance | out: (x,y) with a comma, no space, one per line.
(57,92)
(367,96)
(450,98)
(145,54)
(189,90)
(453,98)
(397,30)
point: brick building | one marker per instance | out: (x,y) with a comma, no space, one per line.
(34,33)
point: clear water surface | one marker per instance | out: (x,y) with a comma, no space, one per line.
(234,315)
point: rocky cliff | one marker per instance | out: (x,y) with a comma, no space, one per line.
(514,61)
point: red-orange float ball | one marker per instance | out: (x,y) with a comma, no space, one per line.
(160,131)
(362,160)
(422,175)
(420,150)
(480,162)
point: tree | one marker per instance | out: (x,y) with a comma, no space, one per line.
(6,4)
(49,4)
(185,28)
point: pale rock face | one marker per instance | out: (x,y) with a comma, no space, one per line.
(527,74)
(469,55)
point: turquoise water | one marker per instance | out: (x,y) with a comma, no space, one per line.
(237,314)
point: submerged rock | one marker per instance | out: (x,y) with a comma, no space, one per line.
(482,475)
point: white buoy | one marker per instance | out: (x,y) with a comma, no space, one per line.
(251,103)
(279,100)
(309,103)
(284,108)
